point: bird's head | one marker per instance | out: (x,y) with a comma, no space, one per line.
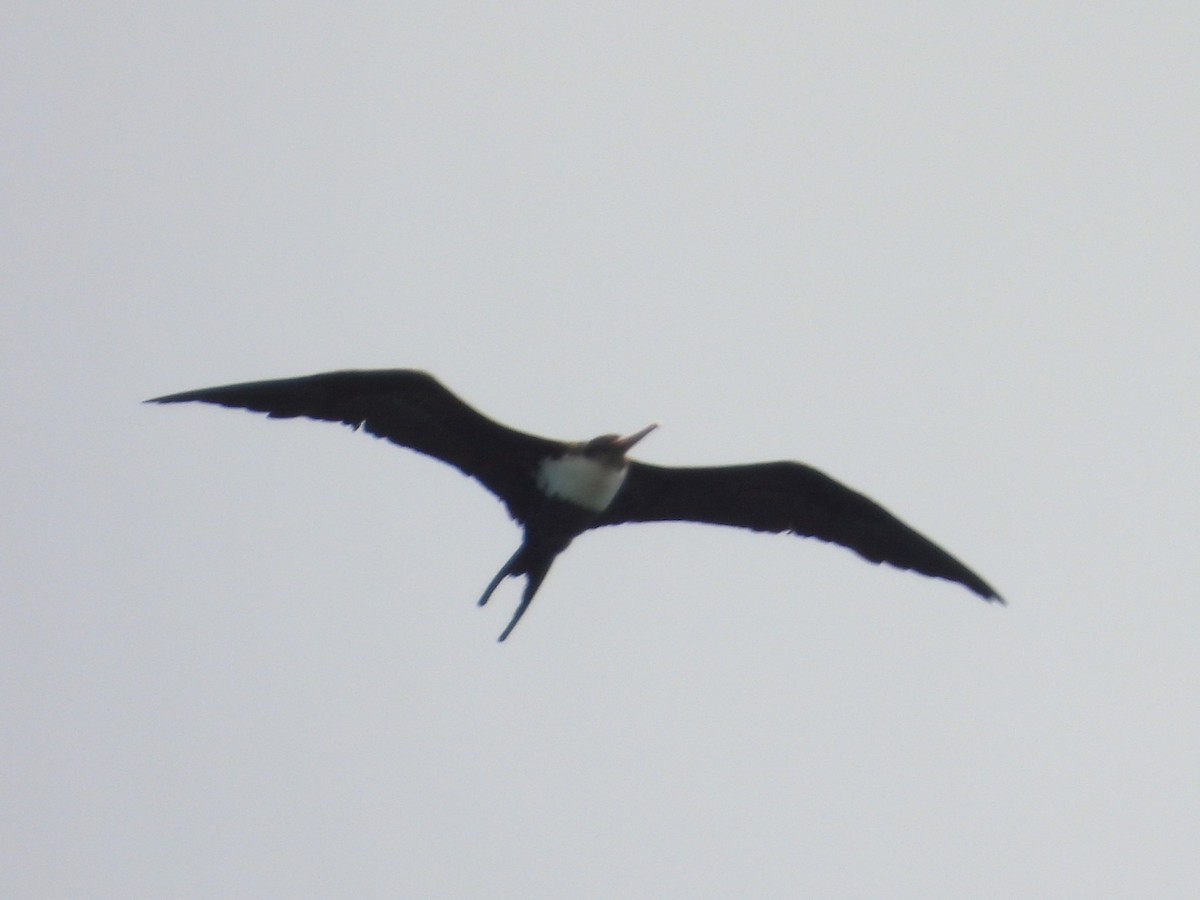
(613,447)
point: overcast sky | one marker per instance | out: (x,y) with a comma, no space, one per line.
(947,254)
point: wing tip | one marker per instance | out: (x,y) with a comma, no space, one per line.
(986,591)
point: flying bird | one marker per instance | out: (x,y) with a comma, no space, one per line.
(556,490)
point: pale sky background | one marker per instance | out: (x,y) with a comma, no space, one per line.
(947,253)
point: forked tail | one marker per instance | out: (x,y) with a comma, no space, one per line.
(518,564)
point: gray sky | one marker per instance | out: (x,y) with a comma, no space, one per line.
(947,256)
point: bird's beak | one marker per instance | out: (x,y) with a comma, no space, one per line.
(627,442)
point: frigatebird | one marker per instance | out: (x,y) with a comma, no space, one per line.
(556,490)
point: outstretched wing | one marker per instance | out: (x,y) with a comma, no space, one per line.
(409,408)
(784,497)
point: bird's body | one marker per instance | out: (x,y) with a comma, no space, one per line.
(557,490)
(580,480)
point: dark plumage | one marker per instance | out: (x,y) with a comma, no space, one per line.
(557,490)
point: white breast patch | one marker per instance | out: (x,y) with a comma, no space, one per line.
(581,481)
